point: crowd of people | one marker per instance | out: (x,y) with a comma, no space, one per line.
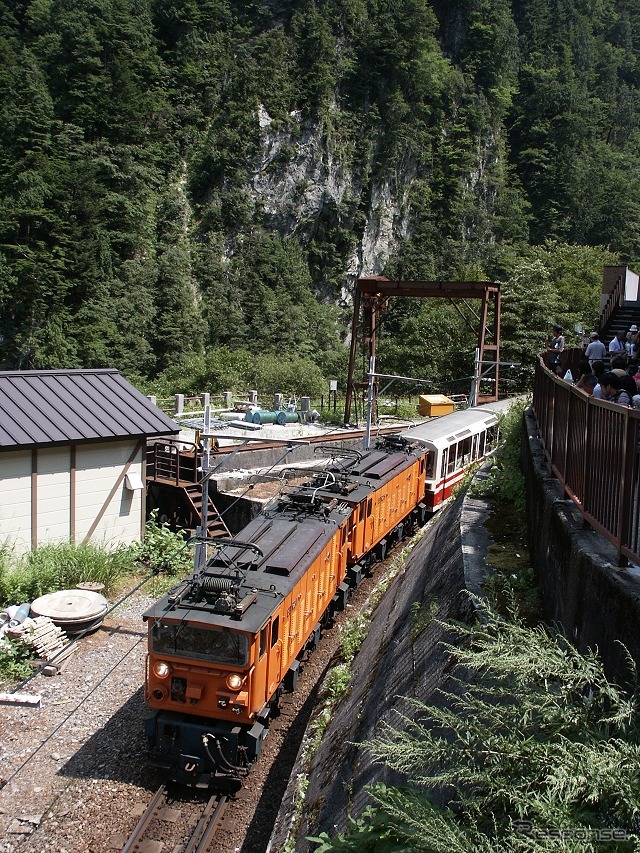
(607,373)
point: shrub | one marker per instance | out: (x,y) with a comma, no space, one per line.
(530,738)
(162,547)
(506,480)
(13,661)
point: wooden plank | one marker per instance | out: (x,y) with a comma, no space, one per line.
(20,699)
(59,661)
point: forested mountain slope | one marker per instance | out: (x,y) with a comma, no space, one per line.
(189,188)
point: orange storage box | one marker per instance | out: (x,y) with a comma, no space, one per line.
(434,405)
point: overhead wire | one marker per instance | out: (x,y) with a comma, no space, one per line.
(5,782)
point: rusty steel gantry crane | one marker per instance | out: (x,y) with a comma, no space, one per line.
(371,297)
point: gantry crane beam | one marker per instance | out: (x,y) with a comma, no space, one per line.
(371,297)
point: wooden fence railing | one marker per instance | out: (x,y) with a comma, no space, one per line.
(616,298)
(592,447)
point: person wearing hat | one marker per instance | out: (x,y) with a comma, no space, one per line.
(596,350)
(555,348)
(631,339)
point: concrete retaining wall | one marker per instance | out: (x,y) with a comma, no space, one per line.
(237,510)
(596,604)
(392,663)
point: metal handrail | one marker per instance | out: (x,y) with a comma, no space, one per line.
(592,447)
(612,304)
(174,460)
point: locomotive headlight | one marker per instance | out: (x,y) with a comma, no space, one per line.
(161,669)
(234,681)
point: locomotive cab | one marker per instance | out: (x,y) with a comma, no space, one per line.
(199,678)
(176,675)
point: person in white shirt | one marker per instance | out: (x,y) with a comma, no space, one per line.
(596,350)
(617,345)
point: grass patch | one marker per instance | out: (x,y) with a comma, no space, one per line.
(54,567)
(50,568)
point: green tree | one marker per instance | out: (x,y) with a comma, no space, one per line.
(178,323)
(576,275)
(530,306)
(103,67)
(31,215)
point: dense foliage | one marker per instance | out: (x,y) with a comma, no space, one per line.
(533,747)
(181,179)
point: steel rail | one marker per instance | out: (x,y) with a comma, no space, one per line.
(202,834)
(157,801)
(207,825)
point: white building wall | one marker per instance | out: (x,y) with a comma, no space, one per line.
(54,495)
(631,286)
(15,499)
(98,469)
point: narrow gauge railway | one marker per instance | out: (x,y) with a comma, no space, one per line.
(228,641)
(173,824)
(98,805)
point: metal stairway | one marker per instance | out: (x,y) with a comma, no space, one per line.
(174,487)
(620,321)
(215,525)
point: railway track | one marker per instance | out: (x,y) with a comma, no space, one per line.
(176,825)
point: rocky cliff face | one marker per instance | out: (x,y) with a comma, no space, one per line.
(304,178)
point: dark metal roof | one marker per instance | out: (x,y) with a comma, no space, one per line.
(40,407)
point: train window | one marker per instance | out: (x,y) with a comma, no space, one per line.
(263,640)
(445,459)
(274,631)
(451,467)
(464,452)
(431,465)
(191,641)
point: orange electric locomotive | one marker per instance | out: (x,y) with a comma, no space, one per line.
(227,641)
